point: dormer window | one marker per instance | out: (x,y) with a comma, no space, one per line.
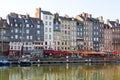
(26,21)
(38,22)
(14,20)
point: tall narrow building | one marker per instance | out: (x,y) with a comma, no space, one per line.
(47,18)
(4,36)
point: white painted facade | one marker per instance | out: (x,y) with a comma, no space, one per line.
(48,30)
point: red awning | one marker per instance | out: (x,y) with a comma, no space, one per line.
(54,52)
(116,52)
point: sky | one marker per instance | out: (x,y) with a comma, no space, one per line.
(109,9)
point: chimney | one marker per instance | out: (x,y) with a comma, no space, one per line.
(83,14)
(38,13)
(27,16)
(0,18)
(89,15)
(14,15)
(56,15)
(100,19)
(107,21)
(66,16)
(117,21)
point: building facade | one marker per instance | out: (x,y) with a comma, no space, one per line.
(87,30)
(47,18)
(80,36)
(68,33)
(4,37)
(24,31)
(115,26)
(57,32)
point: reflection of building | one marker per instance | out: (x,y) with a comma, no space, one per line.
(4,36)
(70,72)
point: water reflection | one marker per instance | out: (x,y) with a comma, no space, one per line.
(61,72)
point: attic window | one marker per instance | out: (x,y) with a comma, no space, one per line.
(14,20)
(38,22)
(26,21)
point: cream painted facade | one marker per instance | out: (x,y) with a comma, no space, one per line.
(68,33)
(57,40)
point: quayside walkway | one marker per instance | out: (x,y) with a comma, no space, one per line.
(68,60)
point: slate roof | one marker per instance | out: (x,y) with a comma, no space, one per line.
(64,18)
(3,22)
(46,12)
(113,23)
(94,20)
(21,20)
(13,19)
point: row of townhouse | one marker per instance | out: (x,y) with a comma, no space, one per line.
(22,33)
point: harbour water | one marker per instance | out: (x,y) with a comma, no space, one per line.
(61,72)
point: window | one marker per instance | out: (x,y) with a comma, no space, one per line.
(27,31)
(16,30)
(45,43)
(31,37)
(16,36)
(31,26)
(38,32)
(26,21)
(49,36)
(49,29)
(46,17)
(56,27)
(27,25)
(78,33)
(50,17)
(20,25)
(49,23)
(11,24)
(38,38)
(38,22)
(11,37)
(45,36)
(45,29)
(38,26)
(27,37)
(11,30)
(58,43)
(14,20)
(46,23)
(16,25)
